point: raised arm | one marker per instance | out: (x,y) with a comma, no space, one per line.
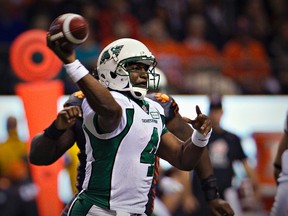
(183,131)
(185,155)
(99,98)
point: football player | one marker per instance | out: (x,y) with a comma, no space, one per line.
(107,116)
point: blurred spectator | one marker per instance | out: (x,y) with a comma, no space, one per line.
(12,23)
(279,55)
(258,16)
(203,55)
(142,9)
(117,10)
(169,53)
(114,19)
(91,12)
(246,61)
(174,193)
(120,29)
(203,62)
(196,7)
(17,191)
(224,149)
(279,8)
(220,17)
(40,21)
(174,15)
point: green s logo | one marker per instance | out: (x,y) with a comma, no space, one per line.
(111,53)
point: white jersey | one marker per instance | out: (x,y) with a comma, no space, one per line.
(120,164)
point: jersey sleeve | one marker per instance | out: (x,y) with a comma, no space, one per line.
(75,99)
(167,102)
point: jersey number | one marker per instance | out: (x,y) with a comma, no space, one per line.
(148,154)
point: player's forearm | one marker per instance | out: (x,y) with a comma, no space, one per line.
(190,156)
(99,97)
(183,155)
(209,184)
(42,150)
(45,151)
(204,167)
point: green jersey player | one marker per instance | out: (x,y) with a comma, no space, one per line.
(124,132)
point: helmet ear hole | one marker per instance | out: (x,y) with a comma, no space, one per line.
(113,75)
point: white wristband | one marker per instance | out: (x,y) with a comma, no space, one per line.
(76,70)
(199,139)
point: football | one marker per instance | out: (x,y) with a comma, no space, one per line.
(70,30)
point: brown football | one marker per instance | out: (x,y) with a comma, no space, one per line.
(70,30)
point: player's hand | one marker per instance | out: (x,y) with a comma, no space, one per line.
(65,56)
(201,123)
(66,118)
(220,207)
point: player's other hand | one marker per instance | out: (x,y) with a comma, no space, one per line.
(65,56)
(220,207)
(201,123)
(66,118)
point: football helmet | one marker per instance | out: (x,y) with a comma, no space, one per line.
(114,59)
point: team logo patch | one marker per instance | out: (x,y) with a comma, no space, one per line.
(155,115)
(111,53)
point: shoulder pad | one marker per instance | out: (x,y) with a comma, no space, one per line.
(75,99)
(167,102)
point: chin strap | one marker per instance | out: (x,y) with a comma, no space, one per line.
(141,91)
